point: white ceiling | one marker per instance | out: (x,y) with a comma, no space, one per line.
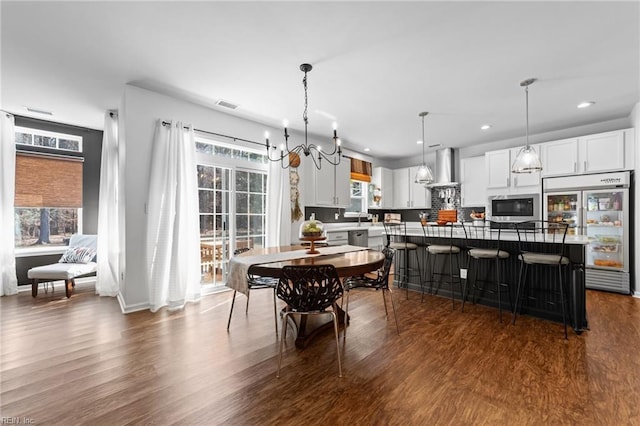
(376,64)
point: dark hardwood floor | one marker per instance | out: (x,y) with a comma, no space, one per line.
(80,361)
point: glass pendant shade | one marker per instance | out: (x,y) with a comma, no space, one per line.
(527,161)
(424,175)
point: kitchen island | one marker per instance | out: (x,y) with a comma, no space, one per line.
(541,299)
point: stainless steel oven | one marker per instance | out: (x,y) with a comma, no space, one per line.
(515,208)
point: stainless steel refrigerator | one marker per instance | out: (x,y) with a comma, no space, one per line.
(596,206)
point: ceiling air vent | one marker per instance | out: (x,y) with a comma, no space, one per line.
(39,111)
(226,104)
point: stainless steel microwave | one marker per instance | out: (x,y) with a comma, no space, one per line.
(515,208)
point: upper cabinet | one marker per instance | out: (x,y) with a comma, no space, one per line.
(500,180)
(560,157)
(383,179)
(473,180)
(603,152)
(329,185)
(408,194)
(498,166)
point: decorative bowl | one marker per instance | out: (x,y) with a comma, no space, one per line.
(312,228)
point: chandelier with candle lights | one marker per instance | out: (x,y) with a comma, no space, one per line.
(290,157)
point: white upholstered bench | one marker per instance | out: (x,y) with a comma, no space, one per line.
(67,270)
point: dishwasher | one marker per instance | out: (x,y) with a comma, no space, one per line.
(359,237)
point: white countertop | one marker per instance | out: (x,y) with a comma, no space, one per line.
(414,229)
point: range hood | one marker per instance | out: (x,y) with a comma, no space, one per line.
(444,169)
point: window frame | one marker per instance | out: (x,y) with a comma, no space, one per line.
(364,199)
(47,151)
(33,132)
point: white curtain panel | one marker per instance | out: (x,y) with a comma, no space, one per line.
(278,206)
(173,230)
(8,280)
(107,282)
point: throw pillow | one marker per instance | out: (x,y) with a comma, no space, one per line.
(78,255)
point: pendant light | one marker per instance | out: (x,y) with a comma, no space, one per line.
(527,160)
(424,174)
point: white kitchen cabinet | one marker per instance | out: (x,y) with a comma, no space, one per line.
(420,195)
(401,198)
(603,152)
(498,166)
(383,178)
(407,193)
(559,158)
(473,178)
(501,181)
(329,186)
(343,183)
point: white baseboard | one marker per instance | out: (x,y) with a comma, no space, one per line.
(637,294)
(127,309)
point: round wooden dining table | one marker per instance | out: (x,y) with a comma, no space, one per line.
(346,264)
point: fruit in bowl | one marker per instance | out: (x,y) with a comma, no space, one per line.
(312,228)
(477,215)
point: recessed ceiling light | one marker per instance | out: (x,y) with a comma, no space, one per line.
(367,149)
(585,104)
(419,142)
(485,127)
(38,111)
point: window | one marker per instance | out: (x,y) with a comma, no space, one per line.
(359,196)
(48,199)
(232,186)
(42,138)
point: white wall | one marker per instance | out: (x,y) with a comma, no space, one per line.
(635,122)
(139,113)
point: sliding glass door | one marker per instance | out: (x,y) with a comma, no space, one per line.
(232,186)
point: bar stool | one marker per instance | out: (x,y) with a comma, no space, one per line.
(440,239)
(397,239)
(493,254)
(536,231)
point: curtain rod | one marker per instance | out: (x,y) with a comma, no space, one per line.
(167,123)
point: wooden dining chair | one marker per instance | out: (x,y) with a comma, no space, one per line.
(309,290)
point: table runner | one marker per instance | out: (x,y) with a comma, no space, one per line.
(239,265)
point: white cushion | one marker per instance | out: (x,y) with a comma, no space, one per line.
(403,246)
(543,258)
(481,253)
(84,240)
(442,249)
(62,271)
